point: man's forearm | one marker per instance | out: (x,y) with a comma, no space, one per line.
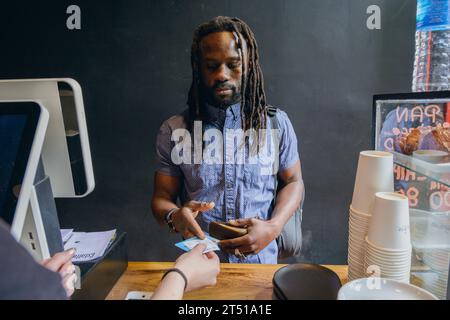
(287,201)
(160,206)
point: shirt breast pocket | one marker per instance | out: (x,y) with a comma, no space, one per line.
(257,174)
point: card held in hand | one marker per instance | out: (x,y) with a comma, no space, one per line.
(189,244)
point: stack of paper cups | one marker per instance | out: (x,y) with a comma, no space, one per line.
(388,242)
(358,227)
(374,174)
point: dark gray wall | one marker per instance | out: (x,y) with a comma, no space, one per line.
(321,64)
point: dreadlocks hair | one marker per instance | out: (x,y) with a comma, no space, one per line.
(253,97)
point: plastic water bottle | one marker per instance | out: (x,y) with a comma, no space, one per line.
(432,58)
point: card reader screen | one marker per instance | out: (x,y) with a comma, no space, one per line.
(12,170)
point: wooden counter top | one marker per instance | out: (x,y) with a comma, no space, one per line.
(235,281)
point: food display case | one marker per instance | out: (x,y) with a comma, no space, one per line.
(415,127)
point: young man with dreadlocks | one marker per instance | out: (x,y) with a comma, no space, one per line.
(227,93)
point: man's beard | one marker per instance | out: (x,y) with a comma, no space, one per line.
(209,96)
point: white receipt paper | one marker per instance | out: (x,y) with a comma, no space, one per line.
(89,245)
(66,234)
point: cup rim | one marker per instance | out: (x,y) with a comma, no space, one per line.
(387,253)
(377,154)
(386,249)
(357,212)
(394,273)
(388,259)
(358,226)
(388,262)
(400,275)
(358,235)
(357,232)
(355,247)
(388,268)
(354,218)
(355,257)
(355,227)
(358,255)
(391,196)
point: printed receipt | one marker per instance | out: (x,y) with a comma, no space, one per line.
(89,245)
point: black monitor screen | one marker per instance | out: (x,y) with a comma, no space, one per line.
(18,122)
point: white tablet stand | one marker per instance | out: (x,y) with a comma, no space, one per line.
(41,231)
(65,157)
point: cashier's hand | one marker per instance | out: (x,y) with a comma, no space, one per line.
(201,270)
(184,218)
(260,234)
(62,263)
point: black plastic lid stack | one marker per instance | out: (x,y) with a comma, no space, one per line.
(305,282)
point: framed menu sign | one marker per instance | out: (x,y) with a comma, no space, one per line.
(412,121)
(415,127)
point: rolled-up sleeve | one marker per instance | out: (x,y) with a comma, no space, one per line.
(288,142)
(164,147)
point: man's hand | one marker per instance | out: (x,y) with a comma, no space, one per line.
(260,234)
(184,218)
(62,263)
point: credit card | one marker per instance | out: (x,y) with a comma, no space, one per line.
(189,244)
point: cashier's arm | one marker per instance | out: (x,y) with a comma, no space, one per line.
(260,232)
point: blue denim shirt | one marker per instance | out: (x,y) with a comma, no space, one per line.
(238,190)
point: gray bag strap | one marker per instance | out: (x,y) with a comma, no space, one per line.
(289,242)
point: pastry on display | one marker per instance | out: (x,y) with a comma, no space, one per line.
(421,138)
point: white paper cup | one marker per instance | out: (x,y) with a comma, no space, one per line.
(375,173)
(389,225)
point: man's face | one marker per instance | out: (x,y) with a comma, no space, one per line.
(221,69)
